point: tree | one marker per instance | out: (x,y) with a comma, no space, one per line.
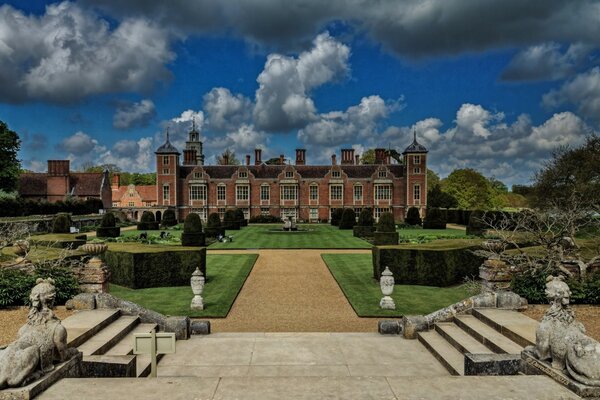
(470,189)
(570,172)
(89,167)
(10,166)
(433,179)
(368,157)
(438,198)
(228,158)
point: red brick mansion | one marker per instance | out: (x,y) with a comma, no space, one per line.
(307,192)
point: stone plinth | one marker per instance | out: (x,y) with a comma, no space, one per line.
(93,278)
(495,275)
(533,366)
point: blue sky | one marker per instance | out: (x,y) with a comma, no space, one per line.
(495,85)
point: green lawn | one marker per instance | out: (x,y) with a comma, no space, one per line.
(226,276)
(354,274)
(313,236)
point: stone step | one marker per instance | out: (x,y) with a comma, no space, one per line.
(487,335)
(109,336)
(516,326)
(452,359)
(125,345)
(460,339)
(82,325)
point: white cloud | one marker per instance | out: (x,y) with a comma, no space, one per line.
(582,91)
(225,111)
(78,144)
(130,155)
(69,53)
(129,115)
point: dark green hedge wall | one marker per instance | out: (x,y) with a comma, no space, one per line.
(385,238)
(363,231)
(193,239)
(108,232)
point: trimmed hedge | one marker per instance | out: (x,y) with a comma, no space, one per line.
(108,227)
(412,216)
(348,219)
(61,223)
(169,218)
(265,219)
(213,226)
(136,269)
(386,223)
(385,238)
(476,226)
(147,222)
(440,263)
(435,219)
(60,240)
(365,218)
(192,231)
(19,207)
(239,214)
(336,216)
(363,231)
(230,221)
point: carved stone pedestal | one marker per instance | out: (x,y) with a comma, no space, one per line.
(93,278)
(495,275)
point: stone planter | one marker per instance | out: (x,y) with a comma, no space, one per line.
(386,282)
(93,277)
(495,275)
(197,283)
(94,249)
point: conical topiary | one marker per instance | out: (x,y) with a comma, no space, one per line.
(386,230)
(192,231)
(365,218)
(108,227)
(364,227)
(61,223)
(169,218)
(147,222)
(435,219)
(336,216)
(386,223)
(413,217)
(348,219)
(230,220)
(213,226)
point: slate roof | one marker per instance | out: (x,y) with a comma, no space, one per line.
(80,184)
(415,147)
(167,148)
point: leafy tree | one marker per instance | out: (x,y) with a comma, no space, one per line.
(498,185)
(438,198)
(470,189)
(570,172)
(227,158)
(368,157)
(433,179)
(89,167)
(10,166)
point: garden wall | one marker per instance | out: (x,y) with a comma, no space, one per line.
(439,263)
(43,223)
(144,266)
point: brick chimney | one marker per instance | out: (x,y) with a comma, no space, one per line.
(247,159)
(281,159)
(347,156)
(257,156)
(190,157)
(58,167)
(380,156)
(116,181)
(333,159)
(300,156)
(225,159)
(356,159)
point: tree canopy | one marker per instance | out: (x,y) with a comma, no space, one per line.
(470,189)
(368,157)
(228,158)
(10,166)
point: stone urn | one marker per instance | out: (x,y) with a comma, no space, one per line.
(493,245)
(22,247)
(197,283)
(386,282)
(94,249)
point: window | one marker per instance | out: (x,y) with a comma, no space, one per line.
(265,193)
(115,204)
(289,192)
(335,174)
(221,212)
(289,212)
(357,212)
(131,204)
(197,192)
(314,213)
(201,213)
(379,211)
(166,160)
(382,173)
(241,193)
(243,174)
(417,192)
(383,192)
(336,192)
(197,175)
(221,192)
(166,193)
(416,159)
(358,193)
(131,194)
(417,170)
(314,192)
(165,171)
(264,211)
(289,174)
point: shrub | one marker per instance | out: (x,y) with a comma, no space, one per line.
(348,219)
(147,222)
(192,231)
(265,219)
(365,218)
(476,226)
(65,281)
(386,223)
(453,216)
(169,218)
(413,217)
(61,223)
(230,220)
(531,284)
(213,226)
(108,227)
(239,215)
(108,221)
(336,216)
(435,219)
(15,285)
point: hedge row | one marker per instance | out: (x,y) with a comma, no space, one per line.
(19,207)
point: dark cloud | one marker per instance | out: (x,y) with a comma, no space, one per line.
(130,115)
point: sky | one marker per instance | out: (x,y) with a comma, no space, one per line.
(490,85)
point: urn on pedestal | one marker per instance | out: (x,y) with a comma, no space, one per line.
(22,247)
(386,282)
(197,283)
(93,277)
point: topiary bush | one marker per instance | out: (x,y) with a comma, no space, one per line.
(386,223)
(61,223)
(413,217)
(147,222)
(386,230)
(336,216)
(230,221)
(476,226)
(239,214)
(213,226)
(192,231)
(348,219)
(365,218)
(435,219)
(108,227)
(169,218)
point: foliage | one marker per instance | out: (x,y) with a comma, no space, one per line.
(438,198)
(169,218)
(365,218)
(385,238)
(214,221)
(413,217)
(15,207)
(65,281)
(386,223)
(192,224)
(435,219)
(10,232)
(147,216)
(108,227)
(138,179)
(61,223)
(108,221)
(433,179)
(230,220)
(147,222)
(470,189)
(531,284)
(10,167)
(348,219)
(368,157)
(228,158)
(477,224)
(360,231)
(265,219)
(336,216)
(512,200)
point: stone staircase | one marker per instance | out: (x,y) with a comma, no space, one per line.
(484,331)
(105,337)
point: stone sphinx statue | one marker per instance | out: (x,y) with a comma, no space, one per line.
(41,341)
(562,340)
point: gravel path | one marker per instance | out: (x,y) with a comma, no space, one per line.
(15,317)
(589,315)
(292,291)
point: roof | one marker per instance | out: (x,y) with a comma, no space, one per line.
(264,171)
(80,184)
(415,147)
(32,184)
(147,192)
(167,148)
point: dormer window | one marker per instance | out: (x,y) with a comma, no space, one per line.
(382,173)
(289,174)
(336,174)
(243,174)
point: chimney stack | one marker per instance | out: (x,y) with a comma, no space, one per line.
(380,156)
(225,159)
(58,167)
(247,159)
(281,159)
(357,159)
(333,159)
(116,181)
(257,156)
(347,156)
(300,156)
(190,157)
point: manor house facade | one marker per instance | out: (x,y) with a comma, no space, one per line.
(306,192)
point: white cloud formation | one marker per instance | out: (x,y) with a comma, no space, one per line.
(78,144)
(69,53)
(282,99)
(472,118)
(129,115)
(582,91)
(225,111)
(130,155)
